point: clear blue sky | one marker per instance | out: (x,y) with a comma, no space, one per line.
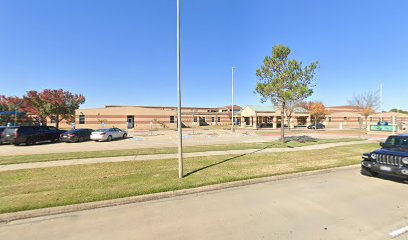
(124,52)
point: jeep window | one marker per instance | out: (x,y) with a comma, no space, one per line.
(397,142)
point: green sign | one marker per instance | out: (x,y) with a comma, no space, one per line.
(380,128)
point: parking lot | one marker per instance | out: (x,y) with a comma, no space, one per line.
(168,138)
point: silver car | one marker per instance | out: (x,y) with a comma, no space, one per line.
(108,134)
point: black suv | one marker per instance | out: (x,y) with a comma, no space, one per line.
(391,159)
(30,134)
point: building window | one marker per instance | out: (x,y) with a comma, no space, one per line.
(212,119)
(371,119)
(195,119)
(224,110)
(52,119)
(330,119)
(219,119)
(203,119)
(81,119)
(345,118)
(171,119)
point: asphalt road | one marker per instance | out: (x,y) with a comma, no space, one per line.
(337,205)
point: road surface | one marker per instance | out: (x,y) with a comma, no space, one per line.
(337,205)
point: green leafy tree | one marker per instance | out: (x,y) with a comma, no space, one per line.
(282,80)
(397,110)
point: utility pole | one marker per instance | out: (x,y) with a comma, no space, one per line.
(381,102)
(16,112)
(15,116)
(232,106)
(179,123)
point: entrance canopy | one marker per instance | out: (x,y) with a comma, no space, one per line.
(270,116)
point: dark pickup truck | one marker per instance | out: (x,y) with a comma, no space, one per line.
(29,135)
(390,159)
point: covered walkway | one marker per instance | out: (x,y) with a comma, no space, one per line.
(270,117)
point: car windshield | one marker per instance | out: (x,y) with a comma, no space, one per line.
(397,142)
(101,130)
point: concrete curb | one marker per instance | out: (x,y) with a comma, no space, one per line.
(9,217)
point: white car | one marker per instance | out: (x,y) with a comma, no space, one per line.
(108,134)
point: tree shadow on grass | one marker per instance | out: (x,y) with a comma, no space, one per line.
(223,161)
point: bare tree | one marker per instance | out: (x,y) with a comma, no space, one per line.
(367,103)
(290,107)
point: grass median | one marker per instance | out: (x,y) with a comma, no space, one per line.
(16,159)
(39,188)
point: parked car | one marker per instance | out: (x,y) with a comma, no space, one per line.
(390,159)
(76,135)
(108,134)
(316,126)
(1,131)
(29,135)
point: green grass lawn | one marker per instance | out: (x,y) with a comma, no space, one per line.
(15,159)
(38,188)
(320,131)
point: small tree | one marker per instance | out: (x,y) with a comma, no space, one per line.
(36,106)
(282,80)
(63,104)
(317,111)
(290,108)
(367,103)
(59,104)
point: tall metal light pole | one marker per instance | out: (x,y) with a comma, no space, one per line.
(15,116)
(16,112)
(232,103)
(381,102)
(179,123)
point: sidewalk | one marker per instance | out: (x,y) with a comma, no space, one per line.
(59,163)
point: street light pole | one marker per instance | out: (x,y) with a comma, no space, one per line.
(15,116)
(16,112)
(381,102)
(180,133)
(232,102)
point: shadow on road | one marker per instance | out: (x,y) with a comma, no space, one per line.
(223,161)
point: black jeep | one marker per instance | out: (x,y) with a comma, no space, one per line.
(391,159)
